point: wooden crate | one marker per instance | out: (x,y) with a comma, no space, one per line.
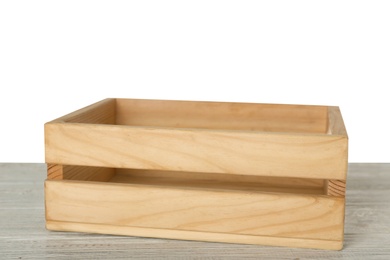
(211,171)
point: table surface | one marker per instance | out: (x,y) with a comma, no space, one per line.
(23,234)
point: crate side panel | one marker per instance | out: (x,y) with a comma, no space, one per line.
(231,152)
(194,235)
(247,213)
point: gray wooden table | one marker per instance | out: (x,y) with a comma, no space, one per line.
(23,234)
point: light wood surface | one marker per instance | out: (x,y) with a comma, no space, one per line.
(193,209)
(232,138)
(335,188)
(283,155)
(335,122)
(218,181)
(23,234)
(190,180)
(102,112)
(247,209)
(87,149)
(193,235)
(81,173)
(222,115)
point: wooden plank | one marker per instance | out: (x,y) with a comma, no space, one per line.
(222,115)
(102,112)
(219,181)
(218,177)
(193,235)
(216,211)
(336,123)
(55,172)
(187,179)
(81,173)
(335,188)
(194,150)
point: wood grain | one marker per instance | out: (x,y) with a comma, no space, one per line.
(202,210)
(335,188)
(335,122)
(231,152)
(101,146)
(193,235)
(218,177)
(102,112)
(222,115)
(82,173)
(23,234)
(219,181)
(187,179)
(55,172)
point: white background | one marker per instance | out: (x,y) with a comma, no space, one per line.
(58,56)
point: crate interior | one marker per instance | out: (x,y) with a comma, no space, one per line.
(222,115)
(194,180)
(205,115)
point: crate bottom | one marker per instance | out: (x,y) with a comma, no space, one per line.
(193,235)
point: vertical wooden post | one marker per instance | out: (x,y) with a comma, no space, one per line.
(335,188)
(55,171)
